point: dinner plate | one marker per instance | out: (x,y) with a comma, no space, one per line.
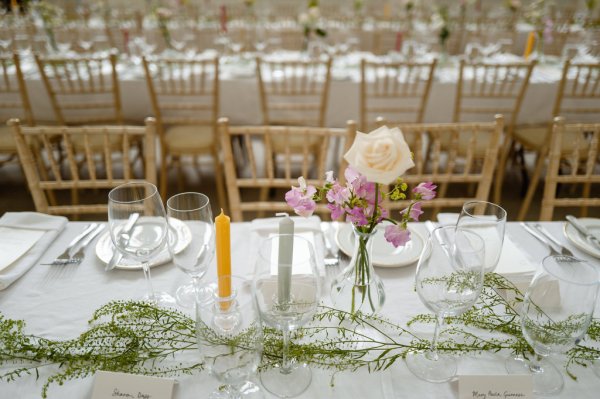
(384,253)
(179,239)
(593,226)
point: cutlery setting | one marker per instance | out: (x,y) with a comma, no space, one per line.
(81,242)
(542,235)
(583,231)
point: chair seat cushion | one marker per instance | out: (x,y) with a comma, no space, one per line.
(7,141)
(186,139)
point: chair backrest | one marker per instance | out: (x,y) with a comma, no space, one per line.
(396,91)
(294,93)
(14,100)
(49,169)
(183,91)
(82,90)
(487,89)
(574,163)
(578,97)
(251,161)
(458,157)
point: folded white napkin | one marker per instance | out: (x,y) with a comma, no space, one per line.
(513,262)
(28,234)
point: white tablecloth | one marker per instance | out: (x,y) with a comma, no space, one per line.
(57,302)
(239,99)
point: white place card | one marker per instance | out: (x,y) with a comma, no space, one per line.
(128,386)
(495,387)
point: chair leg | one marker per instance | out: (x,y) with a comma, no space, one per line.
(163,178)
(507,149)
(532,186)
(220,182)
(520,155)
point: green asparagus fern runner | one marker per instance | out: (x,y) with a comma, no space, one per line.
(136,337)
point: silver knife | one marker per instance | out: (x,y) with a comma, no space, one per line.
(133,218)
(583,230)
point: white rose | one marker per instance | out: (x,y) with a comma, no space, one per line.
(381,156)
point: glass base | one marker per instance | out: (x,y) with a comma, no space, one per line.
(286,384)
(428,367)
(547,379)
(161,299)
(248,390)
(186,294)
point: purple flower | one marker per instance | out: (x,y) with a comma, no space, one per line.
(301,198)
(415,211)
(338,194)
(357,217)
(336,211)
(397,235)
(425,190)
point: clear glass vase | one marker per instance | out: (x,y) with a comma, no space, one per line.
(358,288)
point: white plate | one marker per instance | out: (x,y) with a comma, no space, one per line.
(593,226)
(179,240)
(384,253)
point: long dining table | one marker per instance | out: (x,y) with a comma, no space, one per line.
(57,301)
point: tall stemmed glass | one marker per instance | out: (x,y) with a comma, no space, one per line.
(148,236)
(286,286)
(557,311)
(489,221)
(193,210)
(229,336)
(449,280)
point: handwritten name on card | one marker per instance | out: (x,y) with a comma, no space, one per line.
(495,387)
(109,385)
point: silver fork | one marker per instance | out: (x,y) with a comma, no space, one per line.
(332,258)
(563,250)
(80,254)
(541,238)
(65,257)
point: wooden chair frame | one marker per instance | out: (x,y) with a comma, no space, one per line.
(70,176)
(180,99)
(249,174)
(391,82)
(579,84)
(494,83)
(299,90)
(583,161)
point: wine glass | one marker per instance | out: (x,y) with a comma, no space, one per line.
(148,235)
(192,210)
(489,221)
(556,313)
(449,280)
(230,338)
(287,291)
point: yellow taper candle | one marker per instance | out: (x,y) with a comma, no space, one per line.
(530,43)
(223,254)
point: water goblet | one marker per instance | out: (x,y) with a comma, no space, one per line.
(230,337)
(556,313)
(488,220)
(193,210)
(449,280)
(287,291)
(147,237)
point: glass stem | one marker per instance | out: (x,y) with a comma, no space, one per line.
(285,361)
(196,284)
(439,322)
(146,268)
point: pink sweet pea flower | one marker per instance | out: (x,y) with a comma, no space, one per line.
(357,217)
(426,190)
(301,198)
(336,211)
(415,211)
(397,235)
(338,194)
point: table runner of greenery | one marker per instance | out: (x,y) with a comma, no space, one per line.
(136,337)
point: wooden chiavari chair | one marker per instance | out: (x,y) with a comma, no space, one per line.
(14,102)
(487,89)
(255,164)
(573,160)
(396,91)
(294,92)
(91,167)
(184,95)
(459,157)
(578,101)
